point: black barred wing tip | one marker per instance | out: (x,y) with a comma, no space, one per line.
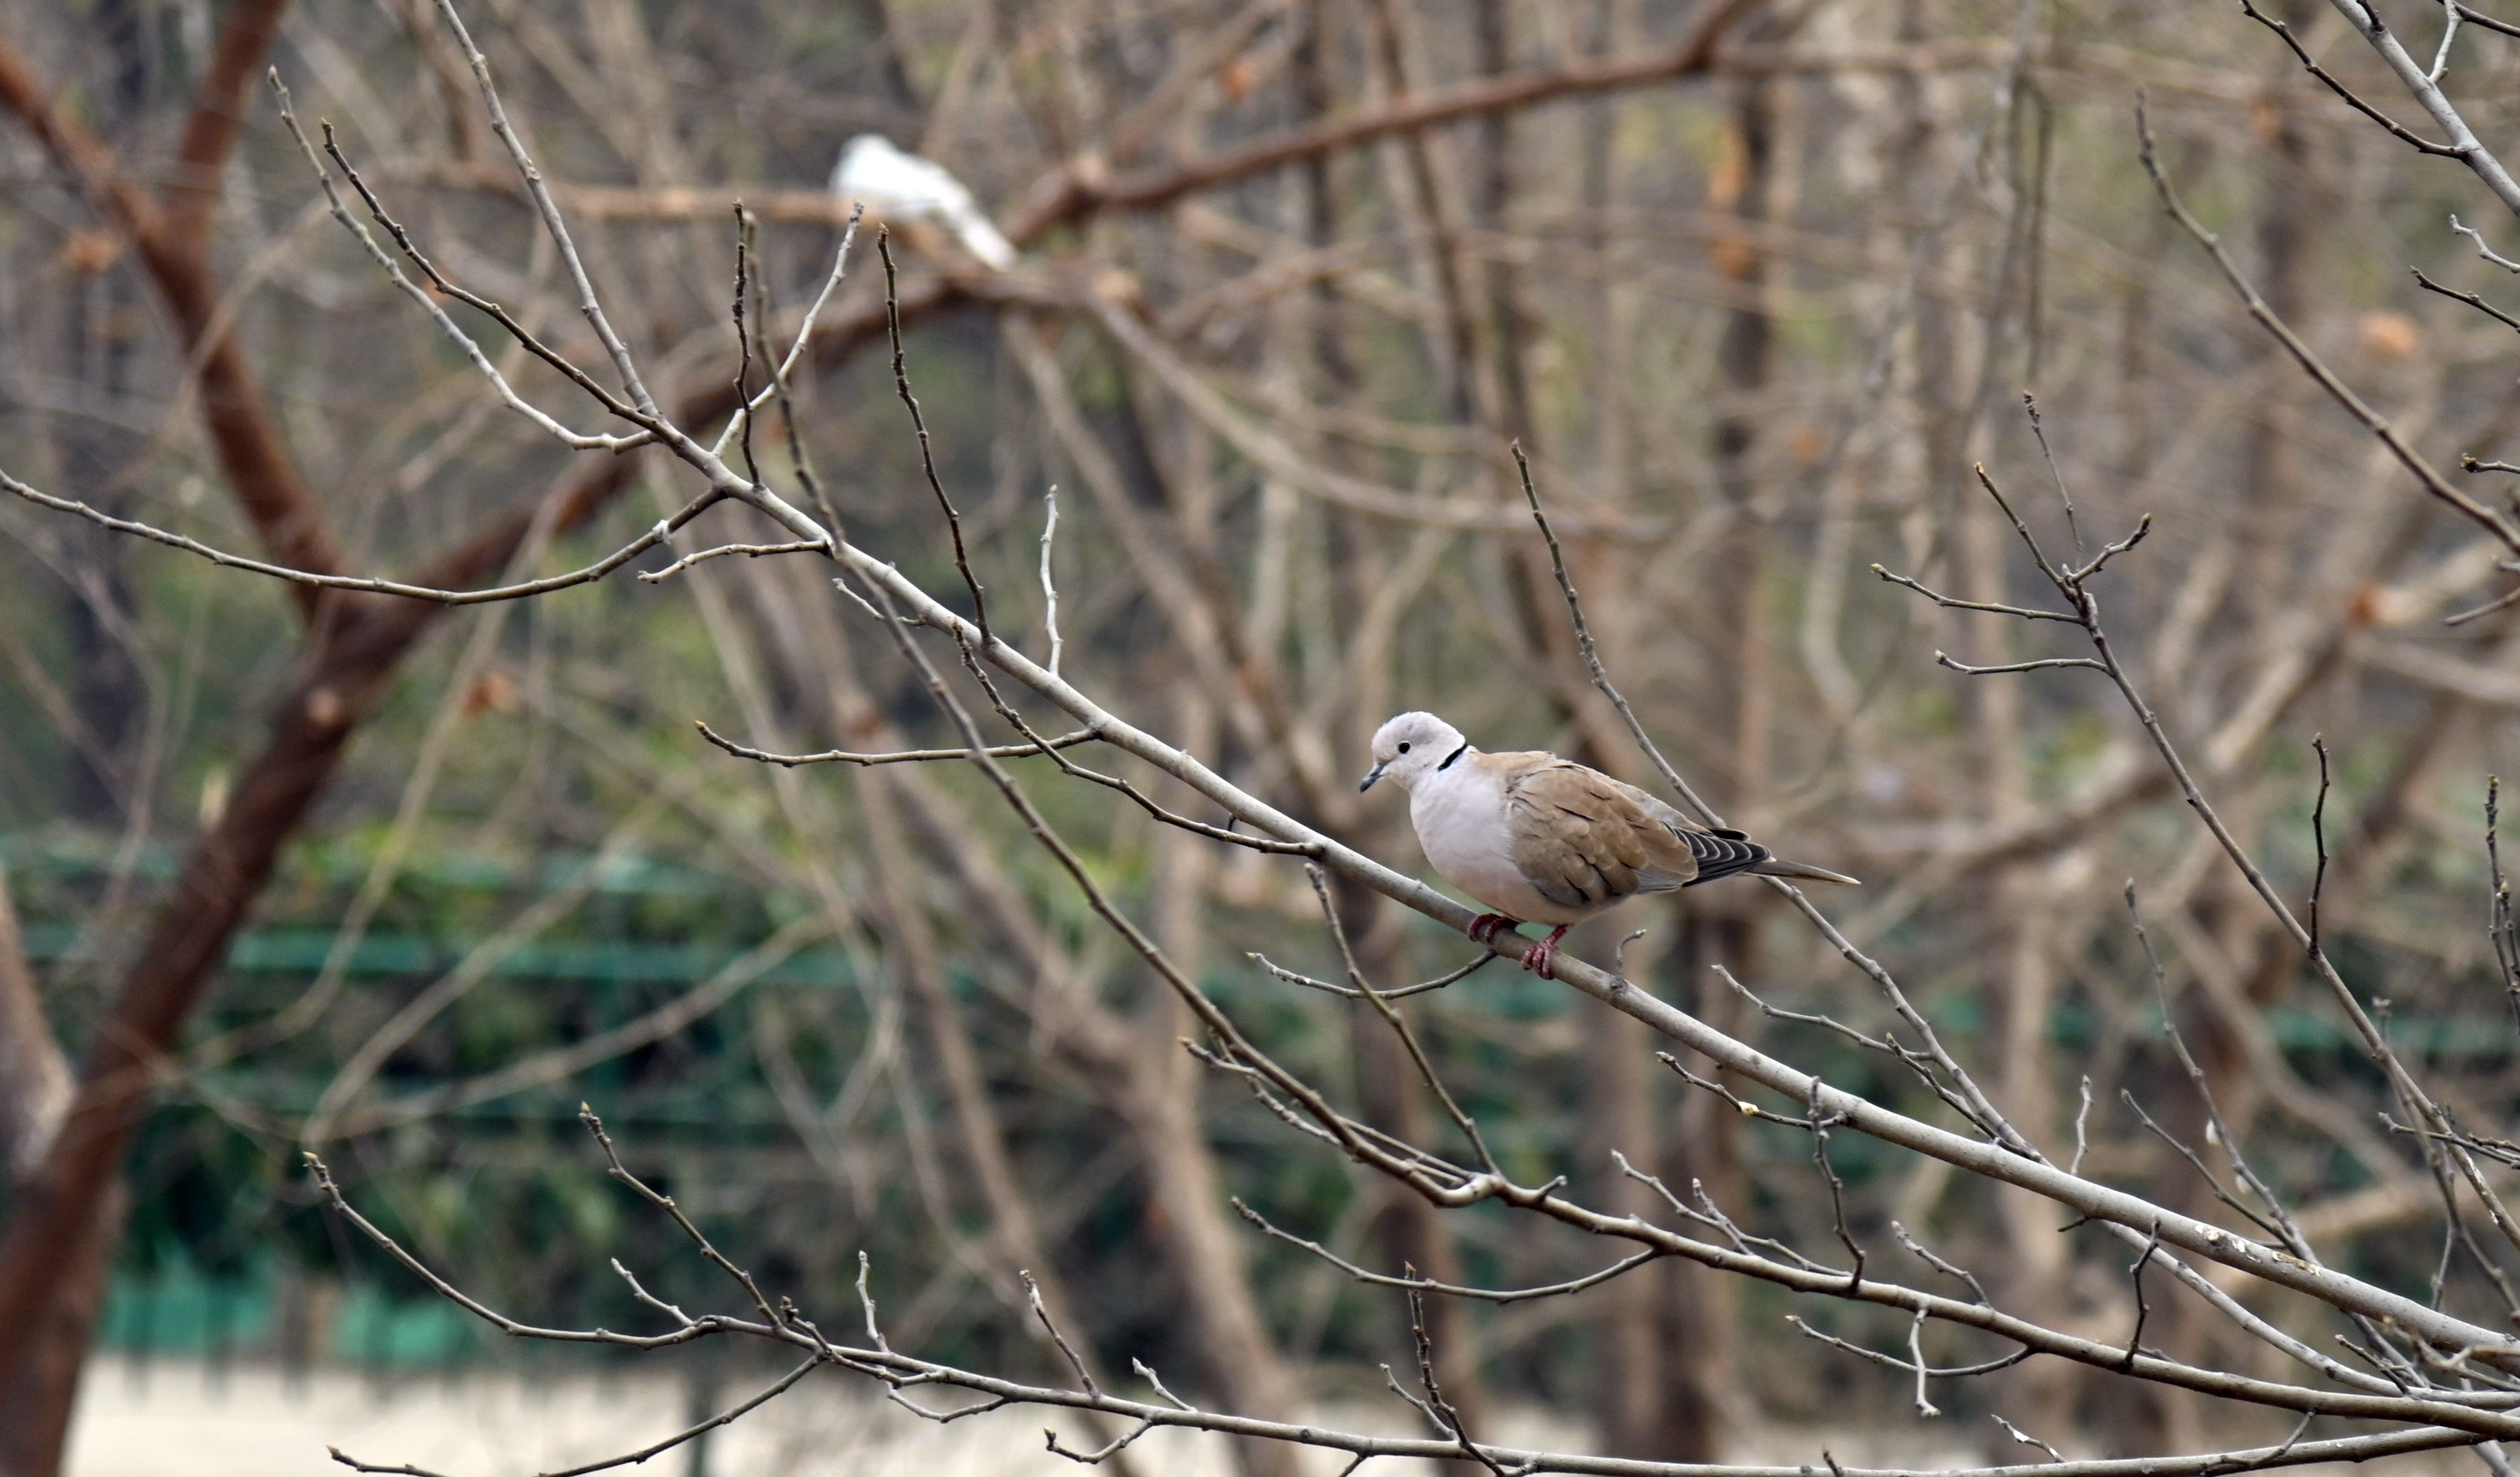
(1721,853)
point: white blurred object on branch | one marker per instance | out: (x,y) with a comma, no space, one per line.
(889,181)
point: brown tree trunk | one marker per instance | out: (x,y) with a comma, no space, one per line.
(1699,1397)
(34,1075)
(1626,1105)
(1699,1389)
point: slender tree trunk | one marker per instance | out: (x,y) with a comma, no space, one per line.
(1701,1395)
(94,452)
(1625,1110)
(34,1074)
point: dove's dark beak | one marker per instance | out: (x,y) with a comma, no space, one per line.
(1371,776)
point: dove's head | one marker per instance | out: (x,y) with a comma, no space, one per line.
(1411,746)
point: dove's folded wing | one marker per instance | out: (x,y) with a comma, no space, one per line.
(1719,853)
(1582,838)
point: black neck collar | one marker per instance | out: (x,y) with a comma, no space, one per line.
(1454,754)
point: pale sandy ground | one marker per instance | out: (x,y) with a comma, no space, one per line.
(174,1422)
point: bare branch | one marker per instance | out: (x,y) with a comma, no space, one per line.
(919,423)
(1951,602)
(2482,250)
(749,551)
(2028,1440)
(2042,665)
(654,536)
(897,756)
(2476,302)
(1428,1284)
(1050,587)
(727,1416)
(1397,992)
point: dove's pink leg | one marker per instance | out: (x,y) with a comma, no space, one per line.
(1487,925)
(1542,957)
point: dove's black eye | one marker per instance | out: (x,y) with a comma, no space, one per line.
(1404,748)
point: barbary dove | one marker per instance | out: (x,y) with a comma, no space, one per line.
(1546,840)
(889,181)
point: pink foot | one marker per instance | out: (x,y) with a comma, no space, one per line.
(1542,957)
(1487,925)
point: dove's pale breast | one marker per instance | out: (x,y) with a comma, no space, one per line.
(1460,816)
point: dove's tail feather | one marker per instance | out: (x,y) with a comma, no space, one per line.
(1778,867)
(979,236)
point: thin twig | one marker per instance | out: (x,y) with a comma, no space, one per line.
(2025,1438)
(2474,16)
(2039,429)
(2482,250)
(1397,992)
(725,1417)
(1917,1353)
(1925,1254)
(1048,586)
(1103,1452)
(1374,1278)
(743,245)
(2319,838)
(598,569)
(866,1301)
(1398,1023)
(1041,1311)
(401,1469)
(1836,1187)
(896,756)
(2048,663)
(1440,1408)
(1593,655)
(1952,602)
(1892,1360)
(2472,301)
(594,1125)
(919,422)
(2082,1119)
(2143,1308)
(1148,1374)
(722,550)
(1739,1104)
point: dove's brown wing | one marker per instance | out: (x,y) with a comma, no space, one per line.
(1581,839)
(1719,853)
